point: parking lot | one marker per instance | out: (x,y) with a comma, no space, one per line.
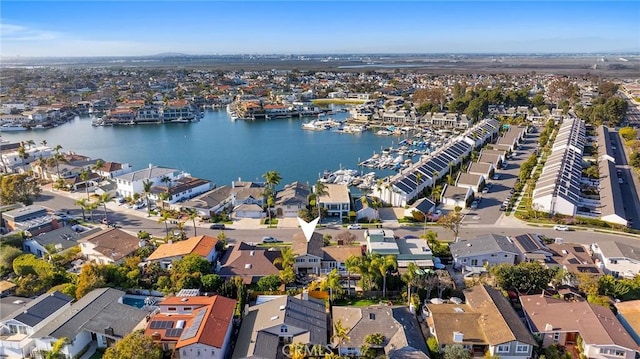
(488,210)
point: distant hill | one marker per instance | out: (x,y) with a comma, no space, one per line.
(170,54)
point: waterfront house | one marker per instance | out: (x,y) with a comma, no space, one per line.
(12,159)
(193,326)
(110,246)
(291,199)
(484,251)
(56,241)
(113,169)
(182,187)
(336,201)
(246,192)
(398,327)
(455,196)
(132,182)
(468,180)
(485,323)
(249,262)
(283,320)
(598,333)
(364,210)
(99,318)
(17,329)
(619,259)
(33,218)
(209,203)
(167,253)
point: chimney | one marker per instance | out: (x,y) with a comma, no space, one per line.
(548,327)
(108,331)
(457,337)
(305,295)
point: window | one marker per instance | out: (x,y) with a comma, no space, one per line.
(474,262)
(556,337)
(172,309)
(613,261)
(522,348)
(503,348)
(284,329)
(618,353)
(372,316)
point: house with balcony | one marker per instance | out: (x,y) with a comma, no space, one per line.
(308,254)
(484,251)
(56,241)
(335,257)
(167,253)
(401,333)
(193,326)
(133,182)
(113,169)
(618,259)
(336,201)
(364,209)
(17,329)
(596,333)
(209,203)
(182,187)
(98,318)
(269,326)
(484,323)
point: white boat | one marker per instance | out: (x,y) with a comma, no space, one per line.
(384,133)
(11,127)
(314,126)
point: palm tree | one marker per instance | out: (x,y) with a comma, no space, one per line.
(436,193)
(44,142)
(333,283)
(351,263)
(98,165)
(56,350)
(146,190)
(340,333)
(91,206)
(180,227)
(450,168)
(320,190)
(272,179)
(193,214)
(30,143)
(104,198)
(383,265)
(22,152)
(84,176)
(167,182)
(286,261)
(164,217)
(410,277)
(163,197)
(83,206)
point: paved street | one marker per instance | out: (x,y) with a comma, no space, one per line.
(631,183)
(134,220)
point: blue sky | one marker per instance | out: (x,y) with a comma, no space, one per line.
(110,28)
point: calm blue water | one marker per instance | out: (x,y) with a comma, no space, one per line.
(217,148)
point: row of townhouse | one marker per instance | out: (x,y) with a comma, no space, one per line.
(407,185)
(611,207)
(558,188)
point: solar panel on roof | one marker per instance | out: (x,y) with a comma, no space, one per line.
(161,324)
(173,333)
(195,325)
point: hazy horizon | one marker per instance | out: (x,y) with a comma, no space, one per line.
(207,28)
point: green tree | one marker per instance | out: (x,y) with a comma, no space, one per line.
(7,255)
(211,282)
(351,265)
(269,283)
(452,221)
(526,277)
(456,351)
(272,179)
(21,188)
(332,283)
(628,133)
(374,339)
(91,277)
(340,333)
(320,189)
(384,265)
(434,347)
(104,199)
(135,345)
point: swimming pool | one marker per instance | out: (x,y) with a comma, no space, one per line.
(138,301)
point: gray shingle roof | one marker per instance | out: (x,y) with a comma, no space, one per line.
(94,312)
(41,308)
(483,244)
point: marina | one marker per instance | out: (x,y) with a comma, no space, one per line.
(223,150)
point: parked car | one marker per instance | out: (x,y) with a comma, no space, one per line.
(496,176)
(139,205)
(354,226)
(269,239)
(217,226)
(503,208)
(621,180)
(561,227)
(474,204)
(485,190)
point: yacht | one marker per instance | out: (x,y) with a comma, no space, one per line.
(12,127)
